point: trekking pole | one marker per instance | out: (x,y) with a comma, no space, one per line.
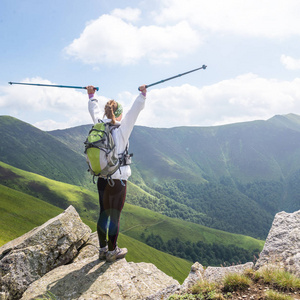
(161,81)
(53,85)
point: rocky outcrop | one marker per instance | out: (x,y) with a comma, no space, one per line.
(216,274)
(60,260)
(89,278)
(93,279)
(89,249)
(211,274)
(282,247)
(196,274)
(29,257)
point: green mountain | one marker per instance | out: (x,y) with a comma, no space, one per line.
(141,224)
(241,152)
(34,150)
(233,177)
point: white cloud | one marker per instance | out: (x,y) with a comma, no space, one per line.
(34,98)
(42,105)
(127,14)
(112,40)
(179,28)
(266,18)
(290,63)
(244,98)
(48,125)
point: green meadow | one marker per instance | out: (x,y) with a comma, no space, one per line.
(135,220)
(28,200)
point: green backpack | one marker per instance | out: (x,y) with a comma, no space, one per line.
(101,153)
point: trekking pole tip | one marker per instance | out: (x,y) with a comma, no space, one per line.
(10,83)
(204,67)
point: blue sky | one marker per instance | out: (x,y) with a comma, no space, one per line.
(251,49)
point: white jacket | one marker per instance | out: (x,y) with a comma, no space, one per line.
(122,133)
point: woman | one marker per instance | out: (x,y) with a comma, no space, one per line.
(112,198)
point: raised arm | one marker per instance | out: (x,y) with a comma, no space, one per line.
(93,104)
(131,116)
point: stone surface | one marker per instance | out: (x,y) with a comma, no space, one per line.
(37,252)
(89,249)
(282,247)
(60,260)
(216,274)
(196,274)
(91,278)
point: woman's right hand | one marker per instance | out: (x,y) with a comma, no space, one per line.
(91,89)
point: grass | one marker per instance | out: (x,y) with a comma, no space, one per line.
(47,296)
(234,282)
(201,291)
(19,213)
(54,192)
(273,295)
(134,220)
(279,279)
(269,284)
(204,287)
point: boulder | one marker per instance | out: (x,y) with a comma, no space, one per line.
(195,275)
(90,278)
(59,260)
(282,247)
(217,274)
(89,249)
(211,274)
(29,257)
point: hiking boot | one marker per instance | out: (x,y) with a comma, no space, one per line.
(102,252)
(116,254)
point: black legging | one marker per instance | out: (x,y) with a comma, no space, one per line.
(111,200)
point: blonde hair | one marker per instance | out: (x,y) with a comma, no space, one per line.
(109,109)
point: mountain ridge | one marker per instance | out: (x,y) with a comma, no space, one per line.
(218,176)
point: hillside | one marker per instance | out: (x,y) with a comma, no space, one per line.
(139,223)
(33,150)
(17,209)
(234,177)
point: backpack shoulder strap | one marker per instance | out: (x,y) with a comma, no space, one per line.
(112,126)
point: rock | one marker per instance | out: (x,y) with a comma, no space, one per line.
(216,274)
(90,278)
(89,249)
(196,274)
(29,257)
(59,260)
(282,247)
(210,274)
